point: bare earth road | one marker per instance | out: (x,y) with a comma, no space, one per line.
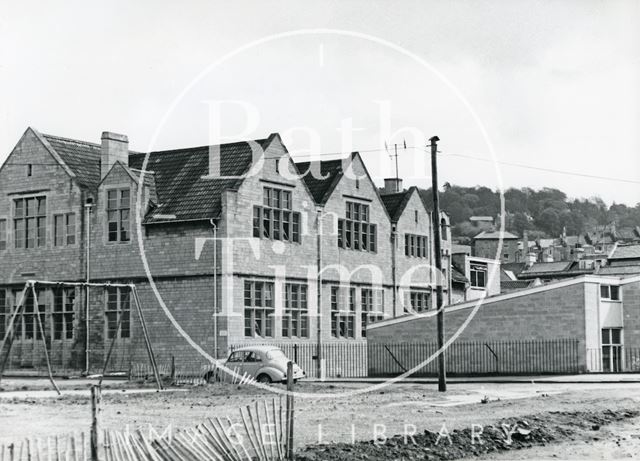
(25,410)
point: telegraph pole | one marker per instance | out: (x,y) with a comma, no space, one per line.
(442,372)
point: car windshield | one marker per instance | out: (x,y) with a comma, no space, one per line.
(276,354)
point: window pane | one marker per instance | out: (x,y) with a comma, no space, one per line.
(615,293)
(112,200)
(615,336)
(71,229)
(256,221)
(58,230)
(296,228)
(604,291)
(124,198)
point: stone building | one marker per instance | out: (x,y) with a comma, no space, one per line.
(225,244)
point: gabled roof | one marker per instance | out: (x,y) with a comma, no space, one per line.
(321,186)
(495,235)
(396,203)
(177,178)
(183,190)
(628,251)
(83,158)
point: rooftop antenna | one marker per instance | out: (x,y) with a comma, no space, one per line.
(395,154)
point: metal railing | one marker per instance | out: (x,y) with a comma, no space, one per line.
(621,360)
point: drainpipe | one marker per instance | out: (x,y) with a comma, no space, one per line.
(215,288)
(87,211)
(394,239)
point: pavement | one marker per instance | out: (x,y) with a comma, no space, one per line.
(560,379)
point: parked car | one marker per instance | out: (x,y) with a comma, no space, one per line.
(265,364)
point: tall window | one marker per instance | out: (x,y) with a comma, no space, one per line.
(258,308)
(30,222)
(4,311)
(64,229)
(343,311)
(64,312)
(295,321)
(417,300)
(610,292)
(612,350)
(478,275)
(118,307)
(415,245)
(26,325)
(3,234)
(274,219)
(118,209)
(355,232)
(372,307)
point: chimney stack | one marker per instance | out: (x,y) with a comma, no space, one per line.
(392,185)
(115,147)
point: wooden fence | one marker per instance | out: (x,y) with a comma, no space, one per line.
(263,431)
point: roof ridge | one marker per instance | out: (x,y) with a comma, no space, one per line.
(77,141)
(207,146)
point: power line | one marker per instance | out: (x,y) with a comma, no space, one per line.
(451,154)
(547,170)
(499,162)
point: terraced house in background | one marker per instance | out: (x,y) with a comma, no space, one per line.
(238,248)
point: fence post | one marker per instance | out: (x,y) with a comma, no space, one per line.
(290,412)
(95,409)
(173,369)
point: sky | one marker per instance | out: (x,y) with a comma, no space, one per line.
(554,86)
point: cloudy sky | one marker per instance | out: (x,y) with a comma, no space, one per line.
(550,85)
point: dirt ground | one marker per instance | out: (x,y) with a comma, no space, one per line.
(27,409)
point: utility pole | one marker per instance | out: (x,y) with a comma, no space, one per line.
(442,372)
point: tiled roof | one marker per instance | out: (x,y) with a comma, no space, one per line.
(322,185)
(516,268)
(511,285)
(560,266)
(626,252)
(495,235)
(619,270)
(83,158)
(183,194)
(396,203)
(175,177)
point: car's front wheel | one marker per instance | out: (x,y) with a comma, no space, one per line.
(264,379)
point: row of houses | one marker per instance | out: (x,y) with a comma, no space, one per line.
(234,243)
(602,240)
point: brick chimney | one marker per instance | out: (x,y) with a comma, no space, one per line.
(114,147)
(392,185)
